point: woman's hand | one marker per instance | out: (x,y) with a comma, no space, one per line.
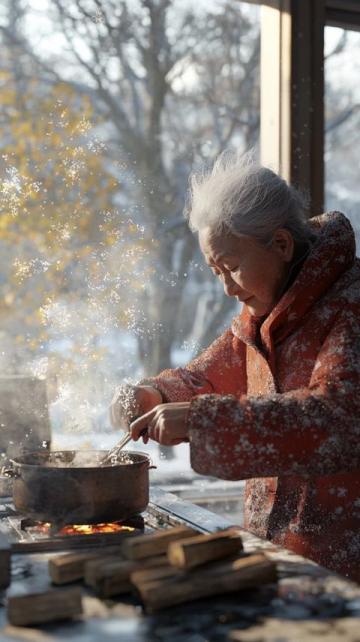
(166,424)
(132,401)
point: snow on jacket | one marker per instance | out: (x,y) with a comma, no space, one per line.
(286,415)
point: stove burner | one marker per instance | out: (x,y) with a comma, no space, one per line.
(42,529)
(27,535)
(90,529)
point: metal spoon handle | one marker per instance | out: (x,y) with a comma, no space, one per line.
(118,447)
(125,440)
(113,452)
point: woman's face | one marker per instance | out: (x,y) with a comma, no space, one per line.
(248,270)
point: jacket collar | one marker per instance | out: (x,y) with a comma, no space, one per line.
(332,254)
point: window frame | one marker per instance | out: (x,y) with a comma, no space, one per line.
(292,135)
(343,13)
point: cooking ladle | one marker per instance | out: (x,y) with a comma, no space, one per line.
(113,453)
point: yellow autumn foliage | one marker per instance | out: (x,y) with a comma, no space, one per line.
(57,214)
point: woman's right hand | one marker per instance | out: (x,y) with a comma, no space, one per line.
(130,402)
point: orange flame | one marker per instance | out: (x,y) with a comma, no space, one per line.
(90,529)
(84,529)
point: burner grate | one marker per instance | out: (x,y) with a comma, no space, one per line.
(69,530)
(27,535)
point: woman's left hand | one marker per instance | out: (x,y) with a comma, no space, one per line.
(165,423)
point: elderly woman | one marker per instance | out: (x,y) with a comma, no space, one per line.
(275,399)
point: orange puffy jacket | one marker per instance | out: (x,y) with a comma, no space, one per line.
(286,415)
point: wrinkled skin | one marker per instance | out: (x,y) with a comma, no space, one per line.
(238,261)
(165,423)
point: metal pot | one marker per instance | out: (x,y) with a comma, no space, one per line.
(70,487)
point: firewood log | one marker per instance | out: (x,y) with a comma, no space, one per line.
(70,567)
(194,551)
(144,575)
(222,577)
(37,608)
(110,576)
(142,546)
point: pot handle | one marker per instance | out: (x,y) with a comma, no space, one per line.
(10,472)
(151,465)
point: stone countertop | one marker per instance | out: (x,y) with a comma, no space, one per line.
(308,602)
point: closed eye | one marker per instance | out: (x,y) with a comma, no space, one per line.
(214,270)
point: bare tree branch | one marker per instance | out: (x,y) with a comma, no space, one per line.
(341,118)
(339,47)
(132,60)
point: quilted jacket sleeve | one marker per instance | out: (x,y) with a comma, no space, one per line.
(307,431)
(219,369)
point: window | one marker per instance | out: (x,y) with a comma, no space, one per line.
(342,122)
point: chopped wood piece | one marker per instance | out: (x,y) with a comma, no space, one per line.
(223,577)
(37,608)
(70,567)
(194,551)
(144,575)
(5,559)
(112,577)
(142,546)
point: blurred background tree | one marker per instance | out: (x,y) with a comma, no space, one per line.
(173,87)
(55,203)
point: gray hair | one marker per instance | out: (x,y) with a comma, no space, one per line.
(241,196)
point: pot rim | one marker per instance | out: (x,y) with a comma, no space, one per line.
(18,461)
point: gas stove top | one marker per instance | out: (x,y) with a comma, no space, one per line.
(26,535)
